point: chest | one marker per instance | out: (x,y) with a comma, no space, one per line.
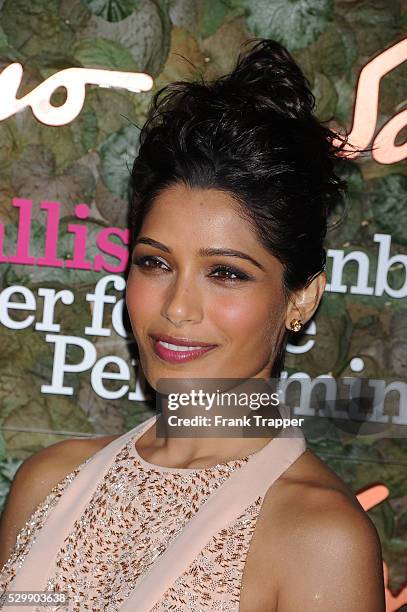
(132,518)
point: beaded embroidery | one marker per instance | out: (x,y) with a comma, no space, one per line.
(134,513)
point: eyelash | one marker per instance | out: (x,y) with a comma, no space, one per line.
(241,276)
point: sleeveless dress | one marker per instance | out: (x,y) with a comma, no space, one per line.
(119,533)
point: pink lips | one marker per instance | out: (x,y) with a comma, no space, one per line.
(174,356)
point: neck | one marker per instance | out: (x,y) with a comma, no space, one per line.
(214,426)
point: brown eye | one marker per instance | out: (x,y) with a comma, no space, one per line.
(149,263)
(229,274)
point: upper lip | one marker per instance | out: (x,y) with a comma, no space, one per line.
(180,341)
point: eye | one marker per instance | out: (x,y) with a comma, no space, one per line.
(149,263)
(228,273)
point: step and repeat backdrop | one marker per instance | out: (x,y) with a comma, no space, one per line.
(76,80)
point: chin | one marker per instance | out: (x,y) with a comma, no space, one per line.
(157,376)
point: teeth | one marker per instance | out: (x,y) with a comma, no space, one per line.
(176,347)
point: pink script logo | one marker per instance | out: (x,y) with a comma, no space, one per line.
(74,80)
(368,498)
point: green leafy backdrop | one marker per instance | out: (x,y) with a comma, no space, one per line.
(87,161)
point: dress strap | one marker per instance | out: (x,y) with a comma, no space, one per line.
(37,564)
(223,506)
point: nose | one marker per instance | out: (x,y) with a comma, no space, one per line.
(182,303)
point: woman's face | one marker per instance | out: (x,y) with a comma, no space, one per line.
(199,276)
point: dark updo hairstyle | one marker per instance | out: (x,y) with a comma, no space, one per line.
(252,134)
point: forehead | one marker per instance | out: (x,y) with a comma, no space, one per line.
(187,219)
(202,213)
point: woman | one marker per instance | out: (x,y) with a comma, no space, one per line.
(232,187)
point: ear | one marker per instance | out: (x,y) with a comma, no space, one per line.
(304,302)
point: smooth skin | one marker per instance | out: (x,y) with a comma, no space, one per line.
(314,547)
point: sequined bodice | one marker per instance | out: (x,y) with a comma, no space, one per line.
(135,512)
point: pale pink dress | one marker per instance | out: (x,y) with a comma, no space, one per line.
(117,533)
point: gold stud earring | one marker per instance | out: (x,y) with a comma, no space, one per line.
(296,324)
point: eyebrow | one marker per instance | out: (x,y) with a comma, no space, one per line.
(204,252)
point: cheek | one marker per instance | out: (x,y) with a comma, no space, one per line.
(141,298)
(246,318)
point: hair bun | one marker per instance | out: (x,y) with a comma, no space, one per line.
(268,77)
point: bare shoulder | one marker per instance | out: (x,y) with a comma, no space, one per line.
(34,480)
(313,544)
(44,469)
